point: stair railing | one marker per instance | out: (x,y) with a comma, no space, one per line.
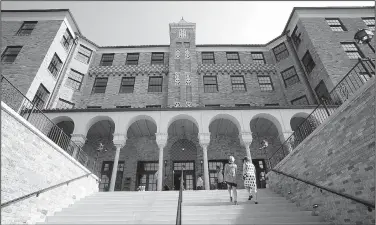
(180,200)
(37,193)
(369,205)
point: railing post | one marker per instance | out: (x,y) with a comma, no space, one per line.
(323,103)
(365,68)
(32,108)
(58,139)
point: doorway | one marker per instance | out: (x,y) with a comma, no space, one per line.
(213,171)
(260,172)
(189,177)
(146,175)
(106,173)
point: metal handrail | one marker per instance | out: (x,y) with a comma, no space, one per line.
(63,140)
(37,193)
(324,103)
(180,200)
(369,205)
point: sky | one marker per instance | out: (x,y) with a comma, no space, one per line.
(111,23)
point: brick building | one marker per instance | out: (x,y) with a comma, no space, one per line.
(163,106)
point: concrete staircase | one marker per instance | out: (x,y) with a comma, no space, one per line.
(199,207)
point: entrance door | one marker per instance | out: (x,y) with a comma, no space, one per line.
(106,174)
(213,171)
(146,175)
(260,172)
(322,92)
(189,177)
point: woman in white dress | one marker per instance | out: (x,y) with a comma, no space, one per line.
(249,178)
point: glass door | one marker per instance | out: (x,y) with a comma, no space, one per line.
(106,173)
(213,164)
(260,172)
(146,174)
(189,175)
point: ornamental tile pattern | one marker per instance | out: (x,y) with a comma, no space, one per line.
(130,70)
(236,69)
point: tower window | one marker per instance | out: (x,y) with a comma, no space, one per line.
(290,76)
(352,50)
(55,65)
(84,54)
(296,37)
(300,101)
(10,54)
(370,22)
(100,85)
(67,39)
(210,84)
(40,97)
(265,83)
(127,85)
(64,104)
(308,62)
(74,79)
(238,83)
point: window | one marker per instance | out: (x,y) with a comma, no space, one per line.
(107,59)
(308,62)
(300,101)
(157,58)
(153,106)
(335,24)
(243,105)
(55,65)
(232,57)
(123,106)
(208,58)
(258,58)
(238,83)
(64,104)
(215,105)
(370,22)
(132,59)
(10,54)
(265,83)
(272,104)
(290,76)
(210,84)
(84,54)
(352,50)
(67,39)
(296,38)
(281,52)
(94,107)
(155,84)
(40,97)
(100,85)
(127,85)
(74,79)
(26,28)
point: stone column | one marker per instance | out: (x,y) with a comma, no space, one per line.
(79,140)
(161,139)
(246,140)
(119,141)
(204,142)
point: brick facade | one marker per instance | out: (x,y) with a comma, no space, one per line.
(341,156)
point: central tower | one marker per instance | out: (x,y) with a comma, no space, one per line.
(183,81)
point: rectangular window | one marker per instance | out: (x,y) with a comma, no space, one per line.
(352,50)
(258,57)
(84,54)
(370,22)
(127,85)
(210,84)
(94,107)
(238,83)
(67,39)
(100,85)
(272,104)
(290,76)
(55,65)
(308,62)
(123,106)
(280,52)
(74,80)
(153,106)
(214,106)
(107,59)
(26,28)
(41,97)
(296,37)
(64,104)
(300,101)
(243,105)
(132,58)
(157,58)
(232,57)
(335,24)
(10,54)
(265,83)
(155,84)
(208,58)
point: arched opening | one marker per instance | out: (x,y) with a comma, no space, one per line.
(61,132)
(302,124)
(100,150)
(264,127)
(224,141)
(182,149)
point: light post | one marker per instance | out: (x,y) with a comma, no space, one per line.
(364,36)
(264,145)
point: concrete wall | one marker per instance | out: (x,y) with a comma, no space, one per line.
(31,162)
(340,155)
